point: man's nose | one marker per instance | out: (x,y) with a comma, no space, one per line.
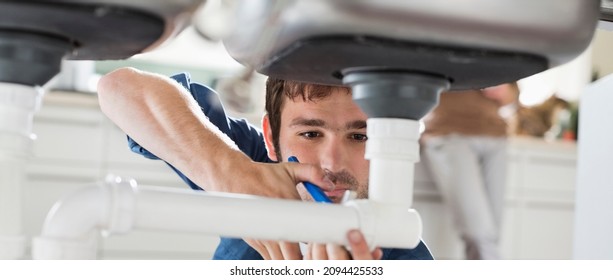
(333,155)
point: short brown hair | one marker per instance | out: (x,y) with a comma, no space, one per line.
(277,90)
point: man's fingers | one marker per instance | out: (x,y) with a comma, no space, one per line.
(359,248)
(259,247)
(337,252)
(290,251)
(274,250)
(319,252)
(313,174)
(377,254)
(280,250)
(308,254)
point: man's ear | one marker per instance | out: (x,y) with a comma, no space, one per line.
(268,138)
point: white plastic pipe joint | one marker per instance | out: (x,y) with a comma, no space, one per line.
(18,103)
(74,223)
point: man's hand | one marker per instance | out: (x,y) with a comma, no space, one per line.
(276,250)
(276,180)
(357,243)
(273,250)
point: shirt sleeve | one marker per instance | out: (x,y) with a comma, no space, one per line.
(248,138)
(421,252)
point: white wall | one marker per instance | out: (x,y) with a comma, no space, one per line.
(565,81)
(602,58)
(594,200)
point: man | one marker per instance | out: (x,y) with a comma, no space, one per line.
(320,125)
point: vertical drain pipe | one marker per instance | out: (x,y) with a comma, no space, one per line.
(394,101)
(18,103)
(393,150)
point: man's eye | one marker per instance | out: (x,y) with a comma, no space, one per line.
(359,137)
(310,134)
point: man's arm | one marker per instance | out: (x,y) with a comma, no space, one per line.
(162,116)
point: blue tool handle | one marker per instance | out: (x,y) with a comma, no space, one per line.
(315,191)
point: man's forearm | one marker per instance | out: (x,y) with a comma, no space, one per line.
(161,115)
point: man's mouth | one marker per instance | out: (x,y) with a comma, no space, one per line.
(337,194)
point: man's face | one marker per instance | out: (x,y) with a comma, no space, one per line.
(329,132)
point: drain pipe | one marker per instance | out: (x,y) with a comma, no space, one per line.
(18,103)
(393,150)
(74,224)
(394,101)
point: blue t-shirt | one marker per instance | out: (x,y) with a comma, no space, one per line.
(251,142)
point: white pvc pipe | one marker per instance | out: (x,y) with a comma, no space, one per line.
(388,225)
(242,216)
(18,103)
(74,223)
(393,150)
(118,206)
(71,234)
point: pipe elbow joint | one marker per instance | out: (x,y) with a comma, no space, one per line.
(388,225)
(73,224)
